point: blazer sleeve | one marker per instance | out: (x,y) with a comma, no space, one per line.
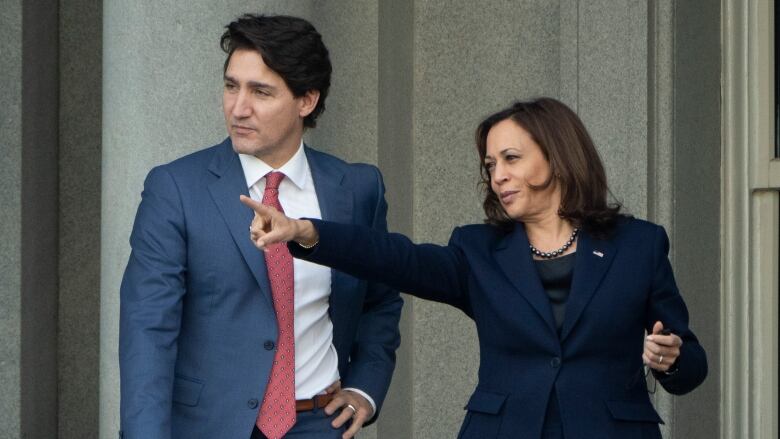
(427,271)
(150,309)
(667,305)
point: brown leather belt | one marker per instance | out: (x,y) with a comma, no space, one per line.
(319,401)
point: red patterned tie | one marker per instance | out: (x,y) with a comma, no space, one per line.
(277,414)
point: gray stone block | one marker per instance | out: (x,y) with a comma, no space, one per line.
(10,217)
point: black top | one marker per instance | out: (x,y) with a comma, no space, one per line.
(556,275)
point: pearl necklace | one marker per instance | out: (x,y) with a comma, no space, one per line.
(558,252)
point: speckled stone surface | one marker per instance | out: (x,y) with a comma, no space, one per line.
(80,183)
(612,93)
(569,52)
(395,158)
(40,96)
(697,190)
(162,99)
(10,215)
(456,64)
(660,148)
(348,127)
(469,62)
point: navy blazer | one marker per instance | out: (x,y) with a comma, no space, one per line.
(197,324)
(621,286)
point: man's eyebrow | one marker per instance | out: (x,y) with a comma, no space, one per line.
(251,84)
(257,84)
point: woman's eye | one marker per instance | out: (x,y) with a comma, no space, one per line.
(489,166)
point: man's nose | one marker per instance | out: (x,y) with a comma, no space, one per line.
(242,107)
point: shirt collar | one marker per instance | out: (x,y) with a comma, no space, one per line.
(295,168)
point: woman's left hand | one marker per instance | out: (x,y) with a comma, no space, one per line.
(661,351)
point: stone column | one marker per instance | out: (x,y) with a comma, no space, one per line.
(162,99)
(81,24)
(411,81)
(468,62)
(10,218)
(696,169)
(28,255)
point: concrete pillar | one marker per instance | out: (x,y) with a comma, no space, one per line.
(28,289)
(697,202)
(411,81)
(162,99)
(468,62)
(660,147)
(348,127)
(79,217)
(396,158)
(611,92)
(10,217)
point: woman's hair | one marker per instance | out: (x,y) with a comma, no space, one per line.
(574,165)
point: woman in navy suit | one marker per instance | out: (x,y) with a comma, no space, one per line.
(570,297)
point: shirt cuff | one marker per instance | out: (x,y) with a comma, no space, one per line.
(364,395)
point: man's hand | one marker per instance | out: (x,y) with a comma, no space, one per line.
(352,406)
(661,351)
(270,226)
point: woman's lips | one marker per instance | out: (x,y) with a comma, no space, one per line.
(507,196)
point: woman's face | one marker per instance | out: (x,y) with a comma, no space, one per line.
(515,161)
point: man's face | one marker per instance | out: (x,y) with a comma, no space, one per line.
(262,116)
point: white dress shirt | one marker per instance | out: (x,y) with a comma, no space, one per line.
(316,360)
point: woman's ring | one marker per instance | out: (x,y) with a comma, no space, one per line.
(661,359)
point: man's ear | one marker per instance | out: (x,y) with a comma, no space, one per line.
(308,102)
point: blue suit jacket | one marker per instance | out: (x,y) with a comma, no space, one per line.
(621,287)
(197,325)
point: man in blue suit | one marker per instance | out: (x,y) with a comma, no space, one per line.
(219,340)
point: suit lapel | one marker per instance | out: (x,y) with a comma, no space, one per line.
(514,258)
(225,191)
(337,205)
(336,201)
(590,265)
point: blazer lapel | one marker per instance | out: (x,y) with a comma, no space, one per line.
(590,265)
(514,258)
(225,191)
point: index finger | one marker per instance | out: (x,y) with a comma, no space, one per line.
(256,205)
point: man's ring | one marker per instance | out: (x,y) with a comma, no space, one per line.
(352,407)
(661,359)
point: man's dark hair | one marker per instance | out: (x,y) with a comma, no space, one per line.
(291,47)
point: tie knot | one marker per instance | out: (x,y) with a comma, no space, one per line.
(273,179)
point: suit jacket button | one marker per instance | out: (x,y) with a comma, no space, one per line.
(252,403)
(268,345)
(555,362)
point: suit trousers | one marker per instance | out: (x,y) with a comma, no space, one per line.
(313,424)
